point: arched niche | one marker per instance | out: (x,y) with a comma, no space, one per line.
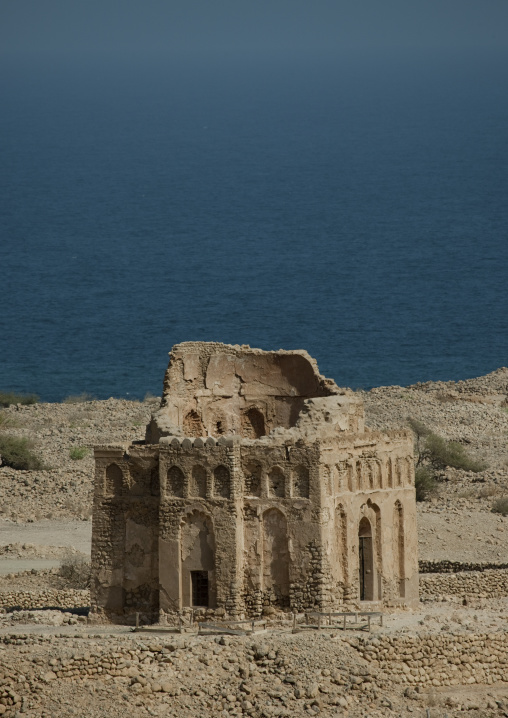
(276,483)
(197,561)
(221,482)
(370,475)
(114,480)
(276,556)
(376,474)
(342,543)
(390,472)
(301,482)
(175,482)
(350,476)
(365,560)
(359,475)
(253,424)
(154,481)
(252,479)
(197,483)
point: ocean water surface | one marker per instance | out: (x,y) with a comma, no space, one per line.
(355,207)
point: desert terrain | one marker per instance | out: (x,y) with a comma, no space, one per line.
(448,657)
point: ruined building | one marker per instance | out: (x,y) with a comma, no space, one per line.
(257,484)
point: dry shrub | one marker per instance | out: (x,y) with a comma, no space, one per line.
(18,453)
(501,506)
(75,569)
(442,453)
(7,422)
(425,483)
(78,452)
(467,494)
(487,492)
(10,397)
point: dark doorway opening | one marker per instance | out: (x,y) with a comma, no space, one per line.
(199,581)
(366,563)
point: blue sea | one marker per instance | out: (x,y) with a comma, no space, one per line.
(354,206)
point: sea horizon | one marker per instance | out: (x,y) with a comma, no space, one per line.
(350,205)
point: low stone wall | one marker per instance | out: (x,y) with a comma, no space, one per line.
(31,600)
(438,660)
(489,583)
(125,661)
(456,566)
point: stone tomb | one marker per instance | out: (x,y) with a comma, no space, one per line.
(257,485)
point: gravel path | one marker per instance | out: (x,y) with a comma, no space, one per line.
(66,534)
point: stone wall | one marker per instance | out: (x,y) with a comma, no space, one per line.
(456,566)
(46,598)
(488,583)
(438,660)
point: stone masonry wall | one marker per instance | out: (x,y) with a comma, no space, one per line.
(439,660)
(482,584)
(456,566)
(46,598)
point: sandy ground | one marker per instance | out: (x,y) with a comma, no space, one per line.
(76,534)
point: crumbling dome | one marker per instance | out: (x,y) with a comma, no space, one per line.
(221,390)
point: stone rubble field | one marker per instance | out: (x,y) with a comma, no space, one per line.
(448,658)
(396,670)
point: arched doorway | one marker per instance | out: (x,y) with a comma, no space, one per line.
(366,560)
(197,555)
(276,556)
(399,546)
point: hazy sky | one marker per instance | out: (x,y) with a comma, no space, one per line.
(146,27)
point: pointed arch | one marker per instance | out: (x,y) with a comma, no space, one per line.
(350,476)
(221,482)
(276,483)
(342,542)
(359,476)
(301,482)
(252,479)
(390,472)
(197,561)
(370,475)
(276,556)
(399,546)
(379,552)
(398,471)
(155,481)
(175,482)
(197,483)
(114,480)
(366,560)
